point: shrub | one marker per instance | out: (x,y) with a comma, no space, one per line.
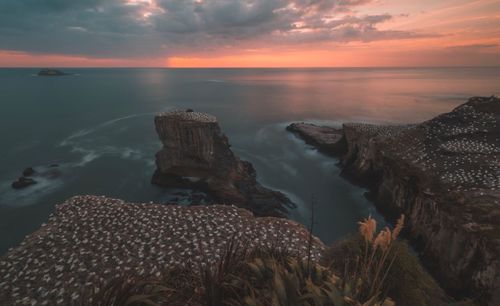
(402,277)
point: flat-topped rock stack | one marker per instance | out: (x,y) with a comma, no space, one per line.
(90,240)
(444,174)
(196,154)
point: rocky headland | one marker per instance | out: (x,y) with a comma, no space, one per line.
(326,139)
(90,240)
(444,175)
(197,155)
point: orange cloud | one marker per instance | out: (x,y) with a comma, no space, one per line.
(426,52)
(25,59)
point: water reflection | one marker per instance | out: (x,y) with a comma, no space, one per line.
(253,107)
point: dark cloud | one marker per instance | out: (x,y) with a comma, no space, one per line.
(137,28)
(473,47)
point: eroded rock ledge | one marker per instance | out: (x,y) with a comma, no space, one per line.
(444,174)
(196,154)
(326,139)
(90,240)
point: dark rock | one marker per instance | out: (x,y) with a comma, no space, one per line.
(189,110)
(51,72)
(23,182)
(196,154)
(28,171)
(444,175)
(326,139)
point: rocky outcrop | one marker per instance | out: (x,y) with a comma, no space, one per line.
(51,72)
(91,240)
(196,154)
(31,175)
(23,182)
(327,139)
(444,174)
(29,171)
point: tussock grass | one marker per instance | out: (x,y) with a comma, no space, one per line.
(269,276)
(379,264)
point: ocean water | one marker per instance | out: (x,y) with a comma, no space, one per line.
(97,125)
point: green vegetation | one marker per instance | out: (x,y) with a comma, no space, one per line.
(383,265)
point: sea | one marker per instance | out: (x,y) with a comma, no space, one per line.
(97,126)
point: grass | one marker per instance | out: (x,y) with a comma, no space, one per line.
(269,276)
(382,265)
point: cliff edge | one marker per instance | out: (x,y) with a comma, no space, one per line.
(444,174)
(90,240)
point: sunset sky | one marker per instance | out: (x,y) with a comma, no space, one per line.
(249,33)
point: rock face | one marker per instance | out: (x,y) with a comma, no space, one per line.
(444,174)
(326,139)
(28,171)
(90,240)
(196,154)
(23,182)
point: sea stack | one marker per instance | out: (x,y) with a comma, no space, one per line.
(196,154)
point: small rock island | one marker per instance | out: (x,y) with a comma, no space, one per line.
(31,175)
(51,72)
(196,154)
(444,175)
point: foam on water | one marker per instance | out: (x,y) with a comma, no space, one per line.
(92,149)
(10,197)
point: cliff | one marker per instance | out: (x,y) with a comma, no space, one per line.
(90,240)
(196,154)
(444,174)
(327,139)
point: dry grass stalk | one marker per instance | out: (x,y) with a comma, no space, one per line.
(367,277)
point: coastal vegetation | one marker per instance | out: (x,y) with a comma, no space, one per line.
(274,276)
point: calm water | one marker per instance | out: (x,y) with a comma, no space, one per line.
(98,126)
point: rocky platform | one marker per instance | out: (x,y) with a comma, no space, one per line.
(197,155)
(444,174)
(325,138)
(90,240)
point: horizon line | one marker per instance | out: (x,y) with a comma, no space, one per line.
(243,67)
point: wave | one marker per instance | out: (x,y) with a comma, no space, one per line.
(88,157)
(30,195)
(91,150)
(85,132)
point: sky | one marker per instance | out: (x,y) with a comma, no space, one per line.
(249,33)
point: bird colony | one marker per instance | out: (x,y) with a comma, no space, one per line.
(461,148)
(189,116)
(90,240)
